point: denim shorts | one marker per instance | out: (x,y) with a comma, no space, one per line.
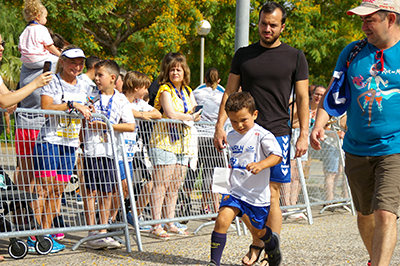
(163,157)
(52,160)
(330,158)
(122,170)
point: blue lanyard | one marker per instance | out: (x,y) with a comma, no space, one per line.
(109,105)
(182,96)
(32,22)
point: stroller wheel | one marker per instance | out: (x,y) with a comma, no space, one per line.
(18,249)
(43,245)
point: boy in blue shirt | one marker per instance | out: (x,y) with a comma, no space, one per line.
(253,151)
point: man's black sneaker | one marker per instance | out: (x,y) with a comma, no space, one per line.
(274,256)
(212,263)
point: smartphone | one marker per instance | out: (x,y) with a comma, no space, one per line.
(93,100)
(197,108)
(47,66)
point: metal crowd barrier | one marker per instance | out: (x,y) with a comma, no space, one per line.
(32,205)
(327,183)
(162,194)
(193,197)
(318,179)
(170,192)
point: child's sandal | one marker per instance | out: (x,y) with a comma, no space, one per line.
(178,231)
(161,234)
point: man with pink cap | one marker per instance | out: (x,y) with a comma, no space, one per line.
(372,142)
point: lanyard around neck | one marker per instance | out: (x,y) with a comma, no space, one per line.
(109,105)
(182,96)
(32,22)
(61,86)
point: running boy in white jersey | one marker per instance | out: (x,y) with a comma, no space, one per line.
(253,151)
(99,168)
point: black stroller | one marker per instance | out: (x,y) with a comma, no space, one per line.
(13,201)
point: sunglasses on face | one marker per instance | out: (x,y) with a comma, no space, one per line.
(379,57)
(3,43)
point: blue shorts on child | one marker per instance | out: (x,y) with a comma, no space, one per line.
(122,169)
(100,174)
(258,215)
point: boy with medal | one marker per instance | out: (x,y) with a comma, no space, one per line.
(100,173)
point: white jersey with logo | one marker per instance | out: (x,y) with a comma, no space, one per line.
(130,138)
(63,130)
(97,142)
(254,146)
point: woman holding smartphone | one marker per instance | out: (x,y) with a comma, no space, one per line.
(54,153)
(9,99)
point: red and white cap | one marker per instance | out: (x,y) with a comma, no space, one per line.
(368,7)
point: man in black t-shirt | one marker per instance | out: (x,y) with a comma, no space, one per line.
(267,69)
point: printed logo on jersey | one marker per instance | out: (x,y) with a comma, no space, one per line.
(244,164)
(237,149)
(233,162)
(226,197)
(250,149)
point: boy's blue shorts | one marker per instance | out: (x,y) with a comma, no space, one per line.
(122,170)
(100,174)
(258,215)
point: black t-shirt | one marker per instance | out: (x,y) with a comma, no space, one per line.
(153,89)
(267,74)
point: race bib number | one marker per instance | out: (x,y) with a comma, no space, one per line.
(68,127)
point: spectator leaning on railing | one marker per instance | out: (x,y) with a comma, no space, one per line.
(169,145)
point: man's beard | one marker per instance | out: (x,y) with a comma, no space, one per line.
(269,41)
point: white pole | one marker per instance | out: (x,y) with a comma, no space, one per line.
(242,23)
(202,42)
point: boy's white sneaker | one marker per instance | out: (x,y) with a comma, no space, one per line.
(97,243)
(112,243)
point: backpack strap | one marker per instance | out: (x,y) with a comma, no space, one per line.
(356,49)
(293,92)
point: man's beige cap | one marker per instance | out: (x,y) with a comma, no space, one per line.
(368,7)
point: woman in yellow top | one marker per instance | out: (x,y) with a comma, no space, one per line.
(169,145)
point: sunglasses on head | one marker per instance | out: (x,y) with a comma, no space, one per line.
(3,43)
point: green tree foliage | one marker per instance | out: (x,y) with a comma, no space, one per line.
(138,33)
(322,29)
(10,26)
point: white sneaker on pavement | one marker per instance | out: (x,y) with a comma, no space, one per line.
(112,243)
(97,243)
